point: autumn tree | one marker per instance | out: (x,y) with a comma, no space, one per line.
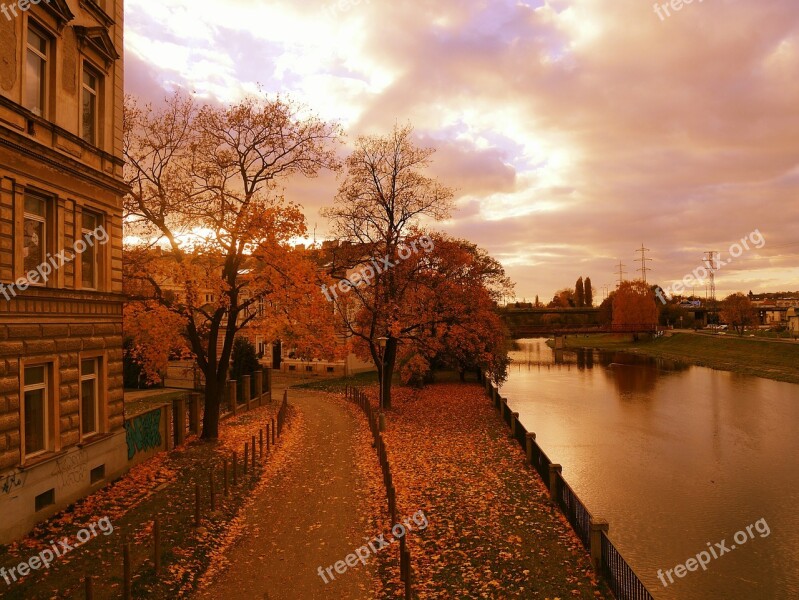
(563,299)
(589,293)
(579,293)
(738,311)
(384,196)
(634,305)
(213,231)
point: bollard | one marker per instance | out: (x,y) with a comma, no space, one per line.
(179,416)
(246,390)
(126,571)
(246,457)
(235,467)
(213,491)
(156,546)
(89,587)
(514,421)
(197,504)
(261,443)
(224,475)
(253,455)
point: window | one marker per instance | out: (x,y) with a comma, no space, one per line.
(35,231)
(89,397)
(36,65)
(36,410)
(89,118)
(89,257)
(44,499)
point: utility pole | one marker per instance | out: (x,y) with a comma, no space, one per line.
(621,273)
(643,260)
(711,262)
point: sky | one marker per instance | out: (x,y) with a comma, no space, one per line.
(573,132)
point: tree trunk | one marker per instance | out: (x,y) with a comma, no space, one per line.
(389,361)
(213,399)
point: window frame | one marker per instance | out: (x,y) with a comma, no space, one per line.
(93,250)
(95,378)
(89,68)
(45,220)
(48,417)
(47,58)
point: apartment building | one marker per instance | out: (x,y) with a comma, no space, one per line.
(61,413)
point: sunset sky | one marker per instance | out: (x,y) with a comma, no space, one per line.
(573,130)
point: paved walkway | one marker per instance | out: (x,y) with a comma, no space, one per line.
(306,517)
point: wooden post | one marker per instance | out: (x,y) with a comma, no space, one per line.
(194,413)
(273,431)
(246,390)
(261,443)
(224,475)
(408,575)
(157,546)
(530,439)
(179,419)
(233,398)
(597,526)
(89,587)
(554,471)
(246,457)
(235,468)
(259,386)
(197,504)
(126,571)
(267,437)
(253,455)
(268,382)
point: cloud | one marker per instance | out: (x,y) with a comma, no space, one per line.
(572,130)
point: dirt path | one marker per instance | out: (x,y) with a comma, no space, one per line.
(313,513)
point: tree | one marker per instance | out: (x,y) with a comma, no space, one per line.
(155,334)
(579,293)
(563,299)
(243,361)
(214,234)
(634,305)
(589,293)
(739,312)
(384,196)
(537,303)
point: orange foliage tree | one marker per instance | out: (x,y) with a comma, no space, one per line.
(634,304)
(213,232)
(738,311)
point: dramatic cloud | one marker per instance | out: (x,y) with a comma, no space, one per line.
(573,130)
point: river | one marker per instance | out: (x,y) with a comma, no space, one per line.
(676,458)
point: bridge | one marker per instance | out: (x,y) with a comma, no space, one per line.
(534,322)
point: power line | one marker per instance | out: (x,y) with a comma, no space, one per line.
(643,261)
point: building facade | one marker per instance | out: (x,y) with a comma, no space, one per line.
(61,187)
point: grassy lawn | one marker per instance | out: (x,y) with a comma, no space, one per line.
(750,356)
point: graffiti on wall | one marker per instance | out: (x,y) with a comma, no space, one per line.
(72,469)
(143,432)
(12,481)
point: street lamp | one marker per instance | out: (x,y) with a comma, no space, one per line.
(381,341)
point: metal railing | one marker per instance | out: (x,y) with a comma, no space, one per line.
(623,581)
(609,563)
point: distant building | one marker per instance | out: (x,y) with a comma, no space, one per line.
(61,189)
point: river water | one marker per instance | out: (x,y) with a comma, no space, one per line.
(675,458)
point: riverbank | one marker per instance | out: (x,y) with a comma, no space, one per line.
(493,531)
(761,358)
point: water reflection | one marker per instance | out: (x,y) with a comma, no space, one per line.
(674,456)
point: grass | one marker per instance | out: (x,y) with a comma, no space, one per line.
(749,356)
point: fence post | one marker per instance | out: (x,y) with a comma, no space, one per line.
(598,527)
(253,454)
(89,587)
(246,457)
(246,390)
(268,383)
(274,433)
(157,546)
(179,419)
(232,394)
(197,504)
(194,413)
(554,471)
(514,420)
(166,416)
(224,475)
(126,571)
(259,386)
(530,441)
